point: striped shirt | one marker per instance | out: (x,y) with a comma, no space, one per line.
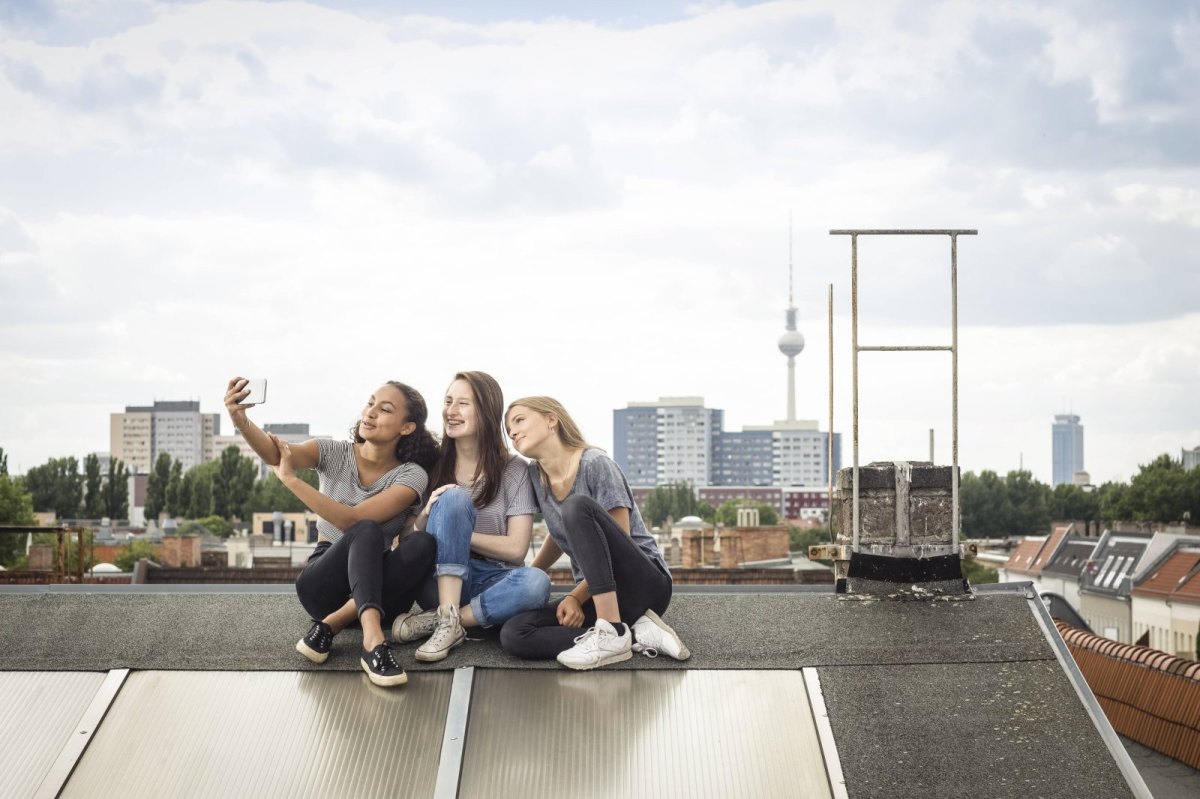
(338,474)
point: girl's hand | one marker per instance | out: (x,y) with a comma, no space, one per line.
(434,498)
(235,392)
(284,469)
(570,612)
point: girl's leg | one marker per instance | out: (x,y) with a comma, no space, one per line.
(537,635)
(406,571)
(623,581)
(497,593)
(451,523)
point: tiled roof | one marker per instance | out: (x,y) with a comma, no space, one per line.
(1177,578)
(1022,558)
(1071,557)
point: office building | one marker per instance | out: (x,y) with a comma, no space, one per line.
(1068,448)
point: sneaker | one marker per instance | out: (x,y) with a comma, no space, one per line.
(316,645)
(446,635)
(654,636)
(414,626)
(381,667)
(599,646)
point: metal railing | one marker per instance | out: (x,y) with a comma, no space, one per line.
(60,551)
(952,349)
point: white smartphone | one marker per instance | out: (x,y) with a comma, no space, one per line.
(258,391)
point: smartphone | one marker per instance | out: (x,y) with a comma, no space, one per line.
(258,391)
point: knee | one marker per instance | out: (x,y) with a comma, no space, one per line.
(577,508)
(532,587)
(452,505)
(514,632)
(421,547)
(364,529)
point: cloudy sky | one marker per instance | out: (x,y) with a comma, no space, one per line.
(591,200)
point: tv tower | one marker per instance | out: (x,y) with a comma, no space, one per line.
(791,343)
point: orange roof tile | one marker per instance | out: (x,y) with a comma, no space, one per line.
(1022,559)
(1177,578)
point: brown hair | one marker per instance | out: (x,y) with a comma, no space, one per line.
(493,452)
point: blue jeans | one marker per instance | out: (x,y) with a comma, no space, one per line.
(495,591)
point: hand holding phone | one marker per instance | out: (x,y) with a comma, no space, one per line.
(258,391)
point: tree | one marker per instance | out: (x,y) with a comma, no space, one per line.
(1163,491)
(232,484)
(1029,499)
(675,501)
(1072,502)
(174,482)
(269,495)
(216,525)
(156,486)
(727,513)
(116,490)
(132,552)
(56,486)
(16,508)
(93,496)
(197,486)
(3,462)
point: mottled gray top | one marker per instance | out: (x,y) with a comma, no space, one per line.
(339,481)
(601,479)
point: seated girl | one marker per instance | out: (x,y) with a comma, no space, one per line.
(369,487)
(621,579)
(481,515)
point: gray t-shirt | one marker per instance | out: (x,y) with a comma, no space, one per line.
(601,479)
(515,498)
(338,475)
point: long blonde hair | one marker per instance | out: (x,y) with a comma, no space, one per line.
(568,432)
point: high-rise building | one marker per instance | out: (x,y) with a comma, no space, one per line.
(141,433)
(1068,448)
(678,439)
(1190,458)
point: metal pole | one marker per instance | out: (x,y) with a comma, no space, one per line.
(854,374)
(829,450)
(955,521)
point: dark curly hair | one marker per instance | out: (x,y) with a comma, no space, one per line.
(419,446)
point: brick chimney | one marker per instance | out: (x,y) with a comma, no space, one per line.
(906,530)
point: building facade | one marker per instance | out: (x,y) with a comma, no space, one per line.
(678,439)
(140,434)
(1067,441)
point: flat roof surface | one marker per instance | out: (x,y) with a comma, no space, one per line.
(875,697)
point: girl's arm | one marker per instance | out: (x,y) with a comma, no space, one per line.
(510,547)
(384,506)
(304,456)
(547,554)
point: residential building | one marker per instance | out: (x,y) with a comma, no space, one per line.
(179,429)
(1060,574)
(1165,599)
(1190,458)
(1106,581)
(1028,560)
(291,432)
(1068,448)
(678,439)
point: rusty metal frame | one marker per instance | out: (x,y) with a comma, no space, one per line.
(855,349)
(60,570)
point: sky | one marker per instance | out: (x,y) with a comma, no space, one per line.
(593,201)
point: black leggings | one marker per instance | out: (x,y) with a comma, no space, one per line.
(610,561)
(360,565)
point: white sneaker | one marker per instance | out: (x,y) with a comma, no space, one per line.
(446,635)
(414,626)
(599,646)
(654,635)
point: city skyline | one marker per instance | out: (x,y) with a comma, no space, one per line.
(593,203)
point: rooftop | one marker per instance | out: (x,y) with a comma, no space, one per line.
(788,692)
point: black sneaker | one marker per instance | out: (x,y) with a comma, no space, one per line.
(316,645)
(381,667)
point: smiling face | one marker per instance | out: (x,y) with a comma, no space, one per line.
(531,432)
(385,417)
(460,411)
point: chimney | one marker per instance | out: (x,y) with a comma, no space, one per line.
(906,530)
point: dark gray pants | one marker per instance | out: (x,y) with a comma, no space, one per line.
(610,561)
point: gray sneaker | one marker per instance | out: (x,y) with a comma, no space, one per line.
(414,626)
(446,635)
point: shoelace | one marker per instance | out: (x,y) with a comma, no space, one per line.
(590,639)
(648,651)
(319,637)
(384,661)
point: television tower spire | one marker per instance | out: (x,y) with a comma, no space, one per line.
(791,343)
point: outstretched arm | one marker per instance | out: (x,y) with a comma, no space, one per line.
(304,456)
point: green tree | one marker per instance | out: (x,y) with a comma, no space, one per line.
(16,508)
(269,495)
(116,490)
(132,552)
(232,484)
(56,486)
(1163,491)
(156,486)
(217,525)
(727,513)
(675,500)
(93,482)
(174,482)
(3,462)
(800,539)
(1029,499)
(198,487)
(1071,502)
